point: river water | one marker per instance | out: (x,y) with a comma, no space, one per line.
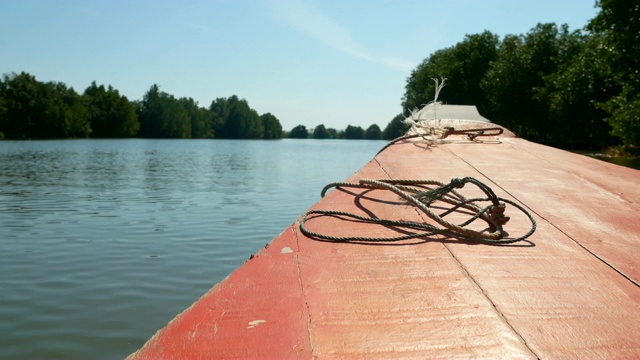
(633,163)
(103,242)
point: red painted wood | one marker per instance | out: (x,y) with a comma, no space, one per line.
(258,311)
(395,301)
(560,298)
(564,297)
(595,203)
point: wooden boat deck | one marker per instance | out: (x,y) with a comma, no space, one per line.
(571,292)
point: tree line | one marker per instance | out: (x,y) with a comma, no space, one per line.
(351,132)
(571,89)
(31,109)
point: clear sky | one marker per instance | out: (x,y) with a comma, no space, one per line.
(331,62)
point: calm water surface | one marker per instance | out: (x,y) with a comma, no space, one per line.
(633,163)
(104,241)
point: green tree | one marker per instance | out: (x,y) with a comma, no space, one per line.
(574,92)
(333,133)
(110,114)
(19,93)
(373,132)
(70,111)
(507,91)
(32,109)
(299,132)
(464,65)
(220,110)
(354,132)
(201,119)
(419,89)
(618,22)
(272,126)
(320,132)
(236,120)
(515,82)
(395,128)
(163,116)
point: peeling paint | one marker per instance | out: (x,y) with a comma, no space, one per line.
(286,250)
(255,323)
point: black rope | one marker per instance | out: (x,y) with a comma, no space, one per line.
(418,194)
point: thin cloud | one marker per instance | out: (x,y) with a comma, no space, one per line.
(311,20)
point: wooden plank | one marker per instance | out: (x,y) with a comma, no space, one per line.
(595,203)
(621,182)
(562,300)
(411,300)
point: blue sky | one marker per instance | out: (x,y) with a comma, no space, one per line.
(331,62)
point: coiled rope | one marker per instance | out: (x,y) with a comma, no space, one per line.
(417,193)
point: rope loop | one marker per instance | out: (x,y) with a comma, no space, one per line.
(413,192)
